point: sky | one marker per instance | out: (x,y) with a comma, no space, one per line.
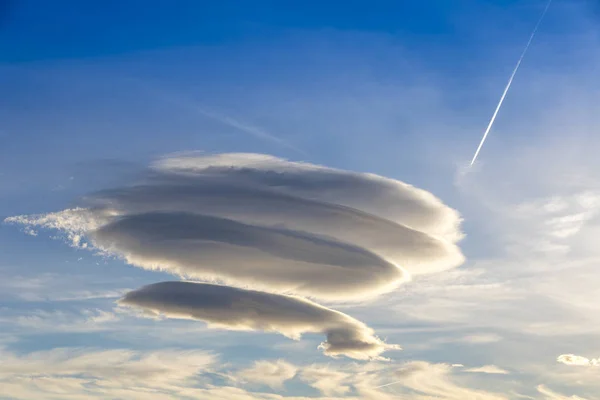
(273,200)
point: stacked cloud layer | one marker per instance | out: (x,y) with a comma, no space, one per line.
(263,224)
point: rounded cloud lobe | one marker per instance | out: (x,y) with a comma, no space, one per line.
(240,309)
(386,198)
(579,361)
(205,247)
(267,224)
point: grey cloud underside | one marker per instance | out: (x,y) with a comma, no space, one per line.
(415,251)
(240,309)
(205,247)
(349,251)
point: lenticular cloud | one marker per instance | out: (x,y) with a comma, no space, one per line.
(239,309)
(267,224)
(265,258)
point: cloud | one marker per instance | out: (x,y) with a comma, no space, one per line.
(60,321)
(415,380)
(53,287)
(481,338)
(328,381)
(224,119)
(488,369)
(420,380)
(271,259)
(551,395)
(384,197)
(239,309)
(572,359)
(270,373)
(297,227)
(117,366)
(83,373)
(244,127)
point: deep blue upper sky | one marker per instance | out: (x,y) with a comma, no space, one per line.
(83,80)
(38,30)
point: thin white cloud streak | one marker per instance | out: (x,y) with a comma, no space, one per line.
(227,120)
(420,380)
(508,85)
(79,373)
(60,321)
(388,384)
(188,374)
(118,365)
(84,373)
(54,287)
(534,209)
(424,380)
(488,369)
(244,127)
(552,395)
(247,310)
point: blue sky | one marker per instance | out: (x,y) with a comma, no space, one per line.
(71,29)
(94,94)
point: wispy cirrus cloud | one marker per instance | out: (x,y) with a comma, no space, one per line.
(269,373)
(422,380)
(79,373)
(329,381)
(552,395)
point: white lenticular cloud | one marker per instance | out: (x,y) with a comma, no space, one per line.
(268,225)
(264,258)
(262,222)
(384,197)
(572,359)
(248,310)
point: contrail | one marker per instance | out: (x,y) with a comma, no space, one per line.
(512,76)
(252,130)
(396,382)
(164,95)
(388,384)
